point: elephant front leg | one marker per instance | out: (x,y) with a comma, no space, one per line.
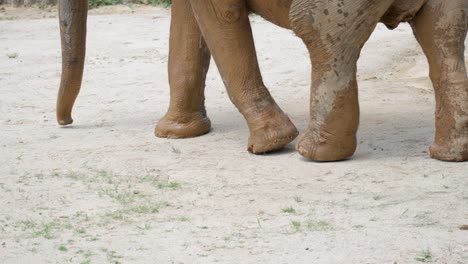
(441,29)
(334,33)
(334,115)
(189,59)
(226,28)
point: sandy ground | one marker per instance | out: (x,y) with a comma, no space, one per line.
(105,190)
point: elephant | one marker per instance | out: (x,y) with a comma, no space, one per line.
(334,33)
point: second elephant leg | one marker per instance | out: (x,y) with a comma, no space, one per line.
(189,59)
(226,28)
(441,28)
(334,35)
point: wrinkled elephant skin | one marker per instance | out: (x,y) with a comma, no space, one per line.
(334,32)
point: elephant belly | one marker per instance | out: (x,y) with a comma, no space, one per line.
(275,11)
(401,11)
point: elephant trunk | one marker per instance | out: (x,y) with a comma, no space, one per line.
(73,17)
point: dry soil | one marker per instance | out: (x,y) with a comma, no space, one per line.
(106,190)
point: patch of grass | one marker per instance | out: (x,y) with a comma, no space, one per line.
(116,187)
(107,175)
(43,6)
(44,230)
(169,185)
(80,231)
(70,174)
(146,209)
(47,230)
(98,3)
(313,225)
(116,215)
(92,238)
(165,3)
(184,219)
(82,216)
(63,248)
(112,256)
(26,225)
(289,210)
(153,180)
(160,184)
(86,254)
(296,225)
(122,214)
(7,18)
(120,188)
(424,256)
(131,206)
(123,197)
(310,225)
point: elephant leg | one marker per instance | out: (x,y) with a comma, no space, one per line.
(441,29)
(226,28)
(73,17)
(334,34)
(189,60)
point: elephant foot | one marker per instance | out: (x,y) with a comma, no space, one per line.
(63,121)
(326,146)
(271,130)
(183,125)
(455,151)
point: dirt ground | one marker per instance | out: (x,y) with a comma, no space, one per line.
(106,190)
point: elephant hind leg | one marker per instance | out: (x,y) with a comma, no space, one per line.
(334,35)
(189,60)
(73,16)
(441,29)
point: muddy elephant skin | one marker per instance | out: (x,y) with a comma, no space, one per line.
(333,31)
